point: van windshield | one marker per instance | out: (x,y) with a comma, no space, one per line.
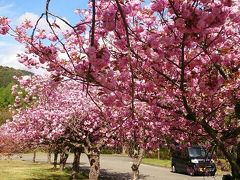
(197,152)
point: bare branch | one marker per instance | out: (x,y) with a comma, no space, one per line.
(166,77)
(93,22)
(35,27)
(124,22)
(50,25)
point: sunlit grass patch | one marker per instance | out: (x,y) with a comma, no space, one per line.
(157,162)
(25,170)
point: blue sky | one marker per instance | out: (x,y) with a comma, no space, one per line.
(64,8)
(19,9)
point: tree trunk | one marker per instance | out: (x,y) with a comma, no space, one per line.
(137,159)
(75,165)
(94,160)
(49,157)
(233,158)
(233,161)
(63,160)
(236,170)
(235,166)
(55,160)
(34,156)
(135,172)
(237,174)
(124,149)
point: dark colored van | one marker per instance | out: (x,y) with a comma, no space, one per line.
(193,160)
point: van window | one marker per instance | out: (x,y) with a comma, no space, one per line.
(197,152)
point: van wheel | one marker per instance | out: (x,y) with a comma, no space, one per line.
(174,168)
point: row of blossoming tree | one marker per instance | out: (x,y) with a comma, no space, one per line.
(147,68)
(62,117)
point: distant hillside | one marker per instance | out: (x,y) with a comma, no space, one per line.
(7,73)
(6,83)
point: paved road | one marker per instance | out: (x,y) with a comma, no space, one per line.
(118,168)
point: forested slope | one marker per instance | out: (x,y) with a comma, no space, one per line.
(6,83)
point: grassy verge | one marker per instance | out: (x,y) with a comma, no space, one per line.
(24,170)
(157,162)
(167,164)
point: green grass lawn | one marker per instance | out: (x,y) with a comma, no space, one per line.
(157,162)
(25,170)
(167,163)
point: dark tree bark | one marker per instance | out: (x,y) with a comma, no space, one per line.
(63,160)
(49,157)
(55,160)
(34,156)
(233,160)
(76,163)
(236,169)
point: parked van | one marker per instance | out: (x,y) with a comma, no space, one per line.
(193,160)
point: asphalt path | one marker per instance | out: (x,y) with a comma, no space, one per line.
(119,168)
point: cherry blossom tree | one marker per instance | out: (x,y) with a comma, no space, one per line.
(9,144)
(198,64)
(64,116)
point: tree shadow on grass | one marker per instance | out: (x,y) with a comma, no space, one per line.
(56,174)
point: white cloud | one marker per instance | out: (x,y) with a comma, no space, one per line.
(9,49)
(8,57)
(42,23)
(29,16)
(4,44)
